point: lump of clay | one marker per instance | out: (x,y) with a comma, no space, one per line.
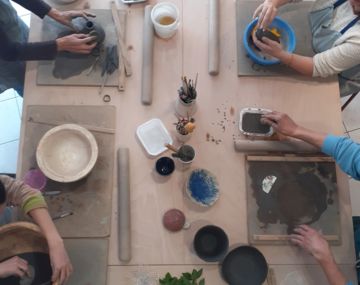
(271,34)
(93,28)
(174,220)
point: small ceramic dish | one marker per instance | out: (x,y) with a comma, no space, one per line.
(202,187)
(153,136)
(165,166)
(211,243)
(250,125)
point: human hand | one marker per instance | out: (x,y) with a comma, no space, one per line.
(280,122)
(60,262)
(76,43)
(14,266)
(312,241)
(65,17)
(270,47)
(266,13)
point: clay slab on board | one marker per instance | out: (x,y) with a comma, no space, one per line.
(51,29)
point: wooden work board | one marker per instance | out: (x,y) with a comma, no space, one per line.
(89,198)
(303,190)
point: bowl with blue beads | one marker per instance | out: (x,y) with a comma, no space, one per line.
(202,187)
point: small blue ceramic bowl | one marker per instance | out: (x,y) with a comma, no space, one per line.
(287,39)
(165,165)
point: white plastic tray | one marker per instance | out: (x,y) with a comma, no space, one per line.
(153,136)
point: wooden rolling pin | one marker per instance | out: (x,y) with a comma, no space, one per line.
(290,146)
(147,60)
(214,37)
(124,221)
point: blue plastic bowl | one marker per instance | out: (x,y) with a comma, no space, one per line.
(288,39)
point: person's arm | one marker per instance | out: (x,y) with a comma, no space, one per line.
(302,64)
(284,125)
(60,261)
(267,11)
(314,243)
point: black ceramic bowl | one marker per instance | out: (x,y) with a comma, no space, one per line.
(211,243)
(165,165)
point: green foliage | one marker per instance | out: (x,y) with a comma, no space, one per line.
(186,278)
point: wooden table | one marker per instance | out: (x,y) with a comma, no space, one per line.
(156,251)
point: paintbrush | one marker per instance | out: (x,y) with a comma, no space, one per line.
(171,147)
(62,215)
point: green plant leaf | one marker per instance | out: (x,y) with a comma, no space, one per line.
(196,274)
(168,277)
(202,282)
(187,276)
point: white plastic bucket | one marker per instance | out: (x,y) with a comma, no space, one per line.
(165,18)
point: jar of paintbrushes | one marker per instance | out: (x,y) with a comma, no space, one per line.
(185,105)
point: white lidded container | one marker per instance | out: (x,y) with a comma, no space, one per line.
(166,19)
(249,122)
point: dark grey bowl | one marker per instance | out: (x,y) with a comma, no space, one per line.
(165,165)
(211,243)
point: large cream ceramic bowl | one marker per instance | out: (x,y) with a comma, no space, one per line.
(67,153)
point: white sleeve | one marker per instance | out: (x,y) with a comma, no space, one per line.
(337,59)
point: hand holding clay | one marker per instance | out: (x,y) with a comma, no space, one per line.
(266,13)
(65,17)
(76,43)
(60,263)
(14,266)
(271,48)
(313,242)
(281,123)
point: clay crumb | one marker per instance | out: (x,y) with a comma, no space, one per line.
(207,137)
(232,111)
(130,47)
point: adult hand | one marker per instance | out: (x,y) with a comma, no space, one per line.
(65,17)
(76,43)
(266,13)
(313,242)
(14,266)
(271,48)
(60,262)
(280,122)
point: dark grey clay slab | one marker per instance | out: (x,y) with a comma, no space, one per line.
(296,14)
(51,29)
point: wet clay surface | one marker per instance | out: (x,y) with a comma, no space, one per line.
(40,270)
(301,194)
(251,124)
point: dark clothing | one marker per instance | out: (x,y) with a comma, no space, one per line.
(11,50)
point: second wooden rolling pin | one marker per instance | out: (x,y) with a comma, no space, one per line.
(291,146)
(147,60)
(214,37)
(124,220)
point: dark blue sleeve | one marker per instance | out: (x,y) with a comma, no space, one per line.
(12,51)
(346,153)
(38,7)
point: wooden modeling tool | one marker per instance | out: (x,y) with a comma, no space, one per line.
(214,38)
(124,221)
(171,147)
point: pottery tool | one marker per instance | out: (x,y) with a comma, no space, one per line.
(147,57)
(271,278)
(62,215)
(120,26)
(171,147)
(288,146)
(214,37)
(51,193)
(109,64)
(124,221)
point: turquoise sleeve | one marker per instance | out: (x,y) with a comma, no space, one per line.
(346,153)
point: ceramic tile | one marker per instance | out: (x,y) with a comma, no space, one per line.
(345,131)
(19,102)
(19,9)
(8,156)
(350,114)
(8,94)
(355,135)
(9,121)
(26,19)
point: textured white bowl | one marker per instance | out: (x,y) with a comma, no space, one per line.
(67,153)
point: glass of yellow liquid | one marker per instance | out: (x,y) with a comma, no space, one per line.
(165,18)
